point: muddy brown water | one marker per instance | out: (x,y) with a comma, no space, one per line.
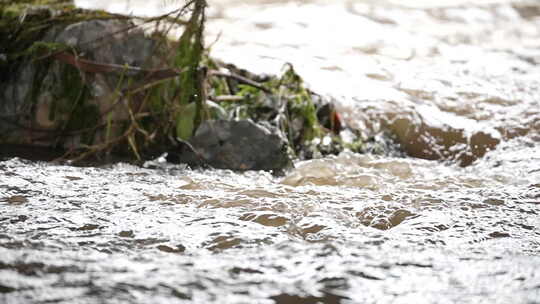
(457,82)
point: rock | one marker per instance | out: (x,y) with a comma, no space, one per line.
(108,41)
(103,41)
(236,145)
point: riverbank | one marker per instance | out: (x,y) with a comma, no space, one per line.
(96,84)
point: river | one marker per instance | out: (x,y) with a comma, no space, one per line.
(456,221)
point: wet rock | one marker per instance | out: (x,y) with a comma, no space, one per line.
(177,249)
(126,233)
(36,93)
(86,227)
(17,199)
(236,145)
(120,46)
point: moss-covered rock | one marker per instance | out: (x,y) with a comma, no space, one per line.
(94,83)
(52,100)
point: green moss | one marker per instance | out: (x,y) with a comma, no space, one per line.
(40,48)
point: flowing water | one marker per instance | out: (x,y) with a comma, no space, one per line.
(456,221)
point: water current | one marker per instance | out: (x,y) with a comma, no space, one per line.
(455,221)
